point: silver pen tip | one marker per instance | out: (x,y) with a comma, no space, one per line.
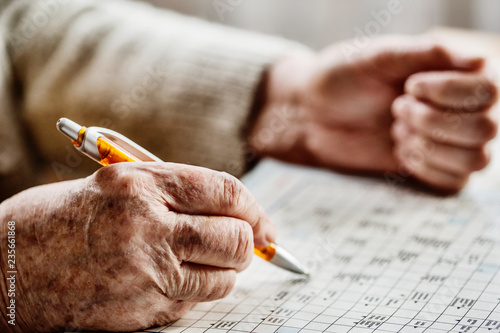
(286,260)
(69,128)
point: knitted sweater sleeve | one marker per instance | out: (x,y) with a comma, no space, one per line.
(181,87)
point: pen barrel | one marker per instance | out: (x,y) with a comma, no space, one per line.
(111,153)
(265,252)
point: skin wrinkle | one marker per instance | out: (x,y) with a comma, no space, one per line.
(110,243)
(175,188)
(243,248)
(162,256)
(232,195)
(186,188)
(155,272)
(188,238)
(130,240)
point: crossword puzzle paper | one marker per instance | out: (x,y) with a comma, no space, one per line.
(383,259)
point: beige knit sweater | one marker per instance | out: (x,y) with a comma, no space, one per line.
(179,86)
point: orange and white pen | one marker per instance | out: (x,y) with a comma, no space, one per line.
(107,147)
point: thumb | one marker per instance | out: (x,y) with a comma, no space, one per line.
(461,60)
(401,56)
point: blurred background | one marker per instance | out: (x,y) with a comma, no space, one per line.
(318,23)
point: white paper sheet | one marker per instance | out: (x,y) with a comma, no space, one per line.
(383,259)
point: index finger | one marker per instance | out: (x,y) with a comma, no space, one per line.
(201,191)
(217,241)
(463,91)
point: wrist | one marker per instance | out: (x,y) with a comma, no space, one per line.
(277,105)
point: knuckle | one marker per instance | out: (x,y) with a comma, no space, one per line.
(400,106)
(107,174)
(120,178)
(185,186)
(228,285)
(190,175)
(399,132)
(487,127)
(460,183)
(217,285)
(186,237)
(438,51)
(479,159)
(426,118)
(417,84)
(232,190)
(244,248)
(486,91)
(394,132)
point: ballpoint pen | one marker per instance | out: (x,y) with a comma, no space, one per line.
(107,147)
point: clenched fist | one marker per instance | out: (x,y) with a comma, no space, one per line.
(132,246)
(407,106)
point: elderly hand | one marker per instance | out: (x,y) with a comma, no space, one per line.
(402,105)
(132,246)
